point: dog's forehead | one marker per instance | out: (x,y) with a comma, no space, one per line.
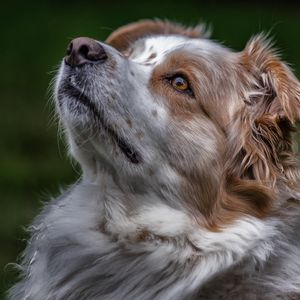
(155,48)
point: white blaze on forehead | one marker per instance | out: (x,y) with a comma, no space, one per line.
(161,46)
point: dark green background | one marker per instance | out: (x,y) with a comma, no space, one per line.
(33,39)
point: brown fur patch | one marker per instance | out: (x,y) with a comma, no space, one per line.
(257,154)
(272,74)
(123,37)
(198,72)
(143,235)
(216,202)
(181,105)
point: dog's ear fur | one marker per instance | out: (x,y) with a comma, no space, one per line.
(261,141)
(273,80)
(260,158)
(123,37)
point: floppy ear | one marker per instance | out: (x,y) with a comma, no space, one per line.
(260,160)
(128,34)
(273,79)
(260,145)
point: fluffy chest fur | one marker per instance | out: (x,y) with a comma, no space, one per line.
(85,246)
(190,183)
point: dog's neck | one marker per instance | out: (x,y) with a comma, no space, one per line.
(244,250)
(239,258)
(142,217)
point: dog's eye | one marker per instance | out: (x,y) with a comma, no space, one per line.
(180,83)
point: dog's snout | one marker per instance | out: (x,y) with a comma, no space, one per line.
(84,50)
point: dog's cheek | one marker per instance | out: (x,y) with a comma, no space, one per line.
(195,143)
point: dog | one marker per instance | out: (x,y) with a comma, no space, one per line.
(190,183)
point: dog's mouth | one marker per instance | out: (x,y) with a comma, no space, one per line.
(76,94)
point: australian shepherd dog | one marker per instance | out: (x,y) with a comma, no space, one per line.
(190,185)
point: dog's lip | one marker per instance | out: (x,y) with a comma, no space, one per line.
(128,150)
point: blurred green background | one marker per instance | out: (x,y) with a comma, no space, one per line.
(34,36)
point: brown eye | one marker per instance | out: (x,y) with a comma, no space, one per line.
(180,83)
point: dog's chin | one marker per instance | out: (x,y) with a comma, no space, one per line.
(81,114)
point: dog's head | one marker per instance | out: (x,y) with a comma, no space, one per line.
(169,111)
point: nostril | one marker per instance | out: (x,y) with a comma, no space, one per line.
(84,51)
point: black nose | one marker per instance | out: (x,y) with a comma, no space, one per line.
(84,50)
